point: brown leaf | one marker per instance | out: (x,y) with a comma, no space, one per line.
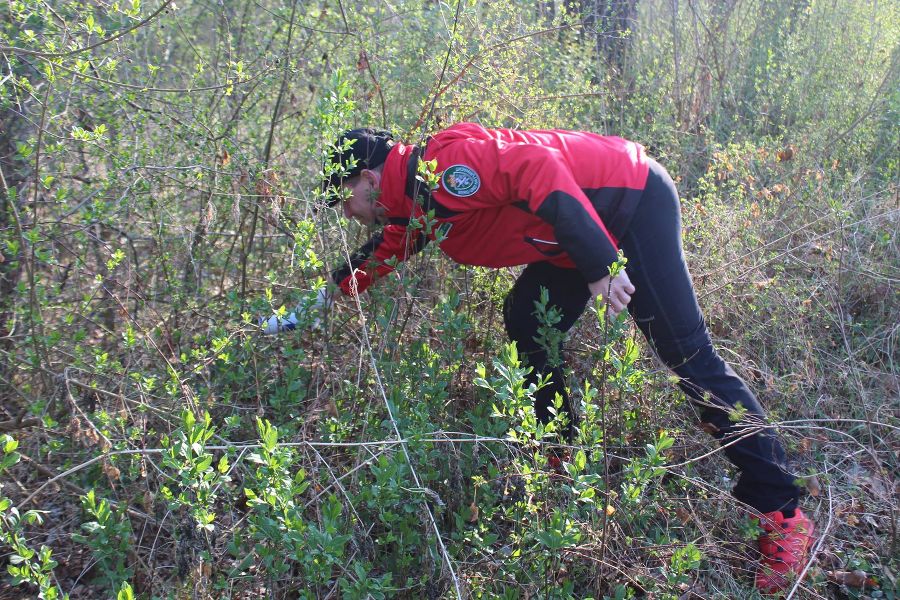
(267,182)
(363,62)
(201,570)
(786,154)
(709,428)
(111,471)
(855,579)
(813,486)
(331,408)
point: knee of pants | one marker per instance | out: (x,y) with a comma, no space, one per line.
(707,378)
(687,354)
(528,349)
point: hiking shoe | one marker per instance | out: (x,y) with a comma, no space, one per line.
(785,549)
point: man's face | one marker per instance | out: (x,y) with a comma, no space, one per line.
(363,204)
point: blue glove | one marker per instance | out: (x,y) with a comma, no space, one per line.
(313,312)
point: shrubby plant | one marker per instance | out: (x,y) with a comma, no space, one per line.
(159,192)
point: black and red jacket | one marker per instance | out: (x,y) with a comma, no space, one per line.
(507,198)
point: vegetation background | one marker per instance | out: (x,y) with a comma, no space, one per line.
(159,165)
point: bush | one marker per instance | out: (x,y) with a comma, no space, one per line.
(160,191)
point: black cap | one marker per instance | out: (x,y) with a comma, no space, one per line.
(368,146)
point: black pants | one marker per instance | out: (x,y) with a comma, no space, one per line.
(665,309)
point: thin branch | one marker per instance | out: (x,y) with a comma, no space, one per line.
(103,42)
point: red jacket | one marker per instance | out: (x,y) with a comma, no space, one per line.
(506,198)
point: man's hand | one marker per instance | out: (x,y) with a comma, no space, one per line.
(618,292)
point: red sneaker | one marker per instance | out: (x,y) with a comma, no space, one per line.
(785,549)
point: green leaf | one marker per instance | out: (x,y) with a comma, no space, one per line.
(9,443)
(580,460)
(204,463)
(125,592)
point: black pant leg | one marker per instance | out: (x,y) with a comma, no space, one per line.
(665,308)
(567,291)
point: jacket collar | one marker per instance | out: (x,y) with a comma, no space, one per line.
(394,193)
(403,195)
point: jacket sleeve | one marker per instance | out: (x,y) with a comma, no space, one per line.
(378,257)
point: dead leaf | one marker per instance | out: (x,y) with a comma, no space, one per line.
(236,204)
(331,408)
(363,62)
(202,570)
(786,154)
(813,486)
(709,428)
(856,579)
(267,181)
(111,471)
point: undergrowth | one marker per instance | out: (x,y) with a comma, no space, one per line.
(160,193)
